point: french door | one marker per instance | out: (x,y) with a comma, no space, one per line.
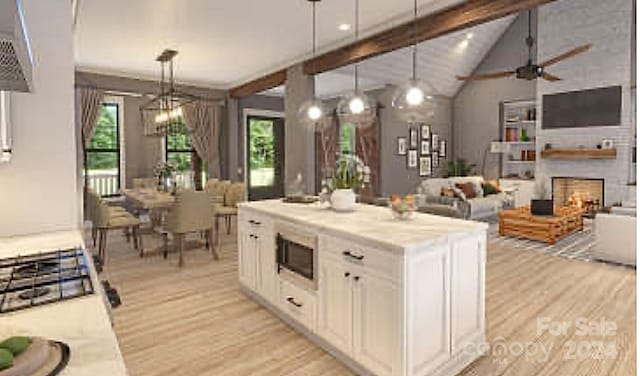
(265,157)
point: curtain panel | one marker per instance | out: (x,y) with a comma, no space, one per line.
(202,118)
(90,105)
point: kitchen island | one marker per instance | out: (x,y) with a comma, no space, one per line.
(385,296)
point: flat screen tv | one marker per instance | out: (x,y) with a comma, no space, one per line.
(599,107)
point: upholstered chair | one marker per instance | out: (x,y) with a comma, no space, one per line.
(106,218)
(191,212)
(92,200)
(217,189)
(235,194)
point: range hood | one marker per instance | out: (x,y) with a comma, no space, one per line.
(16,61)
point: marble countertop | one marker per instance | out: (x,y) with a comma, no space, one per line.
(369,223)
(82,323)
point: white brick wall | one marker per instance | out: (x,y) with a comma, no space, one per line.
(607,25)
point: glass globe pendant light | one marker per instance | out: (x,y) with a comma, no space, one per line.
(312,113)
(356,107)
(414,101)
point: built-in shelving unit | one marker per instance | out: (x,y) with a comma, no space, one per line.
(518,136)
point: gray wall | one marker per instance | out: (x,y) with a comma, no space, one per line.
(476,113)
(395,177)
(142,153)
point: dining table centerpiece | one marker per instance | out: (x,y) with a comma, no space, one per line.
(350,174)
(165,172)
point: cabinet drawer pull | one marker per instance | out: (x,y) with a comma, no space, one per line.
(254,222)
(292,301)
(355,257)
(356,278)
(346,274)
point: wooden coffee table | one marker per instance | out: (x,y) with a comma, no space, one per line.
(520,222)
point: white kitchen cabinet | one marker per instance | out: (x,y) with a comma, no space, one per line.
(335,305)
(267,280)
(376,324)
(390,299)
(247,257)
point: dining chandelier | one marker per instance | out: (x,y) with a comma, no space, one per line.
(164,113)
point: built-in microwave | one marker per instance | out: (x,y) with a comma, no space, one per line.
(296,255)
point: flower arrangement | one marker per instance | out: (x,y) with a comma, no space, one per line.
(350,173)
(402,208)
(164,169)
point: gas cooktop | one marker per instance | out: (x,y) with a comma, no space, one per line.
(43,278)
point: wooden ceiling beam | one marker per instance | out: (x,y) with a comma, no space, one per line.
(260,84)
(458,17)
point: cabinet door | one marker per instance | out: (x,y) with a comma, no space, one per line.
(376,323)
(247,260)
(335,316)
(266,266)
(467,291)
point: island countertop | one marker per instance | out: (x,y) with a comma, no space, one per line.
(369,223)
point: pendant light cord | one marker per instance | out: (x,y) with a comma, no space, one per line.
(357,35)
(313,44)
(415,42)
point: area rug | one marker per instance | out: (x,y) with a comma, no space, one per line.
(577,245)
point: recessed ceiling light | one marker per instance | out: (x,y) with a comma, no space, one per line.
(344,27)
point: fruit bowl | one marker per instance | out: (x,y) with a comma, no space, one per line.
(402,207)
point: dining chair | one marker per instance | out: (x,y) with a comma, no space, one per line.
(234,194)
(191,213)
(106,218)
(92,199)
(217,189)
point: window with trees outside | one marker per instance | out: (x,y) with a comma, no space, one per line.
(181,154)
(102,154)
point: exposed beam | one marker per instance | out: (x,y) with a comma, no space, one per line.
(260,84)
(458,17)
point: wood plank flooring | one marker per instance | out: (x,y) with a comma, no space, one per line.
(196,321)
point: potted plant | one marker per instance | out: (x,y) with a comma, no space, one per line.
(350,174)
(459,167)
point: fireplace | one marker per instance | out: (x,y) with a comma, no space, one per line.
(585,193)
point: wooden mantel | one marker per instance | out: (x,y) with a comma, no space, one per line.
(579,153)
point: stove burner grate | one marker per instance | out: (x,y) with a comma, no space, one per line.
(34,293)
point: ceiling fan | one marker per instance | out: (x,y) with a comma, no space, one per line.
(531,70)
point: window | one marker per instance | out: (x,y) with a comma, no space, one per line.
(347,139)
(102,154)
(181,154)
(261,152)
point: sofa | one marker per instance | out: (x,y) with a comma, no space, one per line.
(480,207)
(615,234)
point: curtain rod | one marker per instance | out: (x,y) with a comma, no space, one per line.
(136,94)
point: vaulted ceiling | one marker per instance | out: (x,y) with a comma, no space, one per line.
(221,43)
(438,62)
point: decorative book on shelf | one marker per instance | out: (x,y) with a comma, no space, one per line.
(579,153)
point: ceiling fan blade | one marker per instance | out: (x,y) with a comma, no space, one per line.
(550,77)
(566,55)
(486,76)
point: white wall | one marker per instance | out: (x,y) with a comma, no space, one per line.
(38,191)
(566,24)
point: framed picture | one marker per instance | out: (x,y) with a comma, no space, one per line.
(425,147)
(435,160)
(402,146)
(412,159)
(435,141)
(425,166)
(443,148)
(413,138)
(426,131)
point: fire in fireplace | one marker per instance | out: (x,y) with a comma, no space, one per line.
(584,193)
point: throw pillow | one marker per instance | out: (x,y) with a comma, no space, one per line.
(467,190)
(459,194)
(477,188)
(488,189)
(447,192)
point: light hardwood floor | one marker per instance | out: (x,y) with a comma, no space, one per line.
(196,321)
